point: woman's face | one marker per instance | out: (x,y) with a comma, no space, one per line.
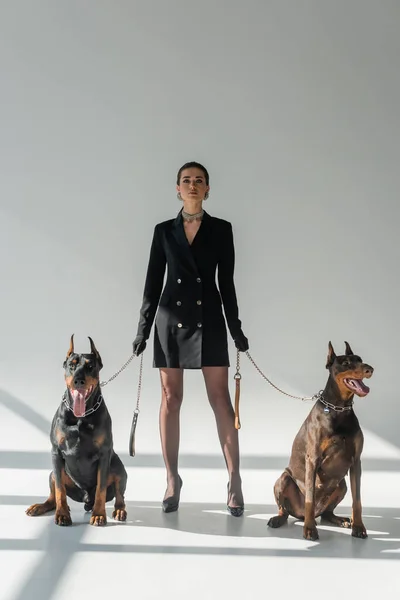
(192,185)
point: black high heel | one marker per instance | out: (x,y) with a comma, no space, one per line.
(171,504)
(235,511)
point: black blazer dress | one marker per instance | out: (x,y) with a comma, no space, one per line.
(190,330)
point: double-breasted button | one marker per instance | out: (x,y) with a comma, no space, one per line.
(198,280)
(179,324)
(179,303)
(199,325)
(179,280)
(199,302)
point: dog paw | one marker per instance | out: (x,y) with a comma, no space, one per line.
(359,531)
(98,520)
(63,518)
(310,533)
(344,522)
(35,510)
(276,522)
(119,514)
(337,521)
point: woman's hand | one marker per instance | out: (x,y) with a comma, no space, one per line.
(139,345)
(241,342)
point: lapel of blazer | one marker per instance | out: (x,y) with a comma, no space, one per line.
(204,229)
(179,235)
(180,238)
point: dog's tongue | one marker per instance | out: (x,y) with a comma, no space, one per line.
(78,407)
(360,386)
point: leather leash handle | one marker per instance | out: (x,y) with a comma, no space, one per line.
(132,450)
(132,434)
(238,377)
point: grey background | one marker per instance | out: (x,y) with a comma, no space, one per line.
(294,109)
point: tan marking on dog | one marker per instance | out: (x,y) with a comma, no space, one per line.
(325,444)
(60,437)
(99,440)
(91,381)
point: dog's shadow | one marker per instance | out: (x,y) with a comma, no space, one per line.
(199,529)
(250,534)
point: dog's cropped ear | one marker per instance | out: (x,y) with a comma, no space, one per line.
(331,356)
(94,351)
(70,350)
(349,351)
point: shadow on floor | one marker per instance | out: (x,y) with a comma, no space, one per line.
(247,536)
(383,525)
(213,531)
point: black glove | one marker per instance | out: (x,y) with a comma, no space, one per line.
(241,342)
(139,345)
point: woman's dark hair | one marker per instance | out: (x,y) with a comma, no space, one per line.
(191,165)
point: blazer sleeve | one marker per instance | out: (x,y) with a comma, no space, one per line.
(153,285)
(226,267)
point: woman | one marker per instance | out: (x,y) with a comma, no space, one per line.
(190,330)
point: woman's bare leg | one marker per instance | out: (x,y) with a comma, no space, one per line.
(171,401)
(216,380)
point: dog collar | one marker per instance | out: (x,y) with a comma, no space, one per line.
(89,411)
(328,406)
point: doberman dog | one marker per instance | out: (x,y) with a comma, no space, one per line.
(328,444)
(85,466)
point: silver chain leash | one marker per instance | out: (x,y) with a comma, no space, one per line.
(237,375)
(103,383)
(136,411)
(139,389)
(139,383)
(316,396)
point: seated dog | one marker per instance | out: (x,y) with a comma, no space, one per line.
(328,444)
(85,466)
